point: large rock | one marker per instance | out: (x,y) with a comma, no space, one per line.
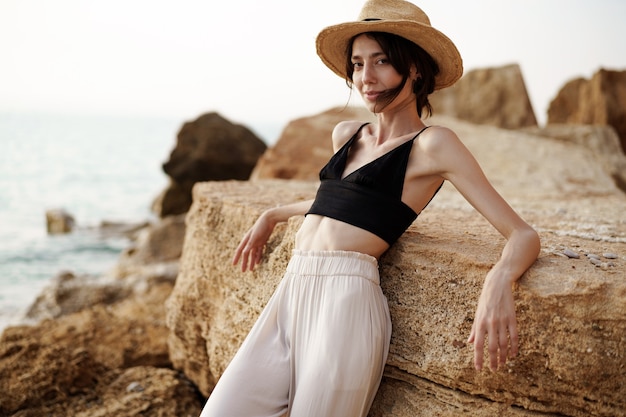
(305,145)
(600,100)
(208,148)
(571,313)
(490,96)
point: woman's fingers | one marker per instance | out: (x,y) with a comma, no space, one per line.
(254,257)
(251,247)
(479,349)
(493,345)
(240,251)
(513,340)
(501,343)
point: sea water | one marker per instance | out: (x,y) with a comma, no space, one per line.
(95,168)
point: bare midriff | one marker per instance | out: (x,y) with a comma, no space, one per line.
(319,233)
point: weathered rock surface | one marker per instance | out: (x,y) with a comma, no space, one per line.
(571,313)
(490,96)
(209,148)
(600,100)
(131,392)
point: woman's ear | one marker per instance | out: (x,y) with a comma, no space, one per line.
(415,74)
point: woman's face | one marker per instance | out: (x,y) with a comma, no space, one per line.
(373,74)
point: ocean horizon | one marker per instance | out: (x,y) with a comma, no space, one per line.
(96,168)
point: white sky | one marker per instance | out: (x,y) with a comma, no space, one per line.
(255,61)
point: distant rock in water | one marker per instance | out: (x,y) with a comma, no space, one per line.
(209,148)
(59,221)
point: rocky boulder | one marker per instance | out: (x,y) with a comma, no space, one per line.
(600,100)
(490,96)
(571,312)
(209,148)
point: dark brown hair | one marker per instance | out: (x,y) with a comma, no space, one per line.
(402,54)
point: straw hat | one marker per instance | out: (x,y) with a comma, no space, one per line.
(400,18)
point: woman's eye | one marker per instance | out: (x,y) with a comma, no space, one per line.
(357,65)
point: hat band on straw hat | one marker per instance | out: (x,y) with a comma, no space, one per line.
(397,17)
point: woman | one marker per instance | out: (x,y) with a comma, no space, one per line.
(320,345)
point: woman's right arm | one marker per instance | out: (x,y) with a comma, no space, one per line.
(250,250)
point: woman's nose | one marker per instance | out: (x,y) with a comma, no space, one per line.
(368,74)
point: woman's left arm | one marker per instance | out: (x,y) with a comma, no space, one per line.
(494,323)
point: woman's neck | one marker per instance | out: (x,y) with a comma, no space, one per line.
(396,124)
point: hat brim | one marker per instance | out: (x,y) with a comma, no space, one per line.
(332,43)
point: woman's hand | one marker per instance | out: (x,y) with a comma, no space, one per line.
(250,249)
(494,323)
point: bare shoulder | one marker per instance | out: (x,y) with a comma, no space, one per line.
(344,131)
(445,152)
(437,139)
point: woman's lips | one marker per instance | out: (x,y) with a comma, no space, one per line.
(371,95)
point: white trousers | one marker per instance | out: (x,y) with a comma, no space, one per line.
(318,348)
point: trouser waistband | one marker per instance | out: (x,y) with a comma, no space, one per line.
(334,263)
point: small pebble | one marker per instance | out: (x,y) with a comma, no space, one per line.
(134,387)
(610,255)
(593,256)
(596,262)
(571,254)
